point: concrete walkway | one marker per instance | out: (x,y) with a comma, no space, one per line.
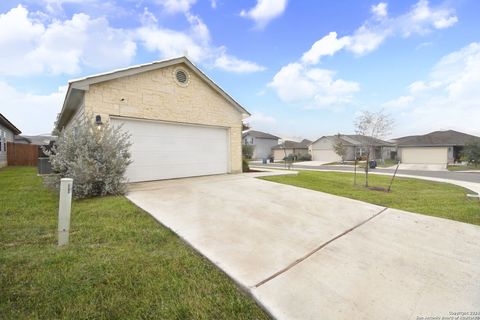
(305,254)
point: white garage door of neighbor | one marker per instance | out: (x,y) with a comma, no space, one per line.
(165,150)
(325,155)
(425,155)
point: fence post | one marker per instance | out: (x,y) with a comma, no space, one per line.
(64,210)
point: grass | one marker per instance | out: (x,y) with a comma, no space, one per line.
(120,263)
(463,167)
(426,197)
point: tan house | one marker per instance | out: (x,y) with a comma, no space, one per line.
(355,146)
(181,123)
(288,148)
(438,147)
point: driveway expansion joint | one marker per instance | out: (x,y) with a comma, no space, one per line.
(309,254)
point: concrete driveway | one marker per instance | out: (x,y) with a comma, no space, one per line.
(308,255)
(420,167)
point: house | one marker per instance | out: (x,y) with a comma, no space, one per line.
(181,123)
(261,141)
(7,134)
(438,147)
(40,140)
(322,149)
(289,147)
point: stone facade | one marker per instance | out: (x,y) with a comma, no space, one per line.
(156,95)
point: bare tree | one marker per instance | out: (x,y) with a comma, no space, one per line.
(340,148)
(372,125)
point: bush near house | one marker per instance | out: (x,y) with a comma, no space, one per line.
(96,157)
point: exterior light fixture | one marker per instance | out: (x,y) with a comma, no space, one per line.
(98,120)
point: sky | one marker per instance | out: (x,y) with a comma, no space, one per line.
(302,68)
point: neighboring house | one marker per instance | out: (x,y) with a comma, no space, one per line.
(40,140)
(322,149)
(288,147)
(7,134)
(438,147)
(181,123)
(261,141)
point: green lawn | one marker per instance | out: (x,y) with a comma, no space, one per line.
(462,167)
(426,197)
(120,263)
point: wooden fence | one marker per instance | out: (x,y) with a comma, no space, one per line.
(22,154)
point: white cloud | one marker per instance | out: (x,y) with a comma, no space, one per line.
(213,4)
(195,43)
(31,113)
(420,19)
(326,46)
(31,47)
(176,6)
(265,11)
(314,87)
(399,103)
(449,97)
(380,10)
(366,39)
(230,63)
(258,118)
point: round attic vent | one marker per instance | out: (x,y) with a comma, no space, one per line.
(182,77)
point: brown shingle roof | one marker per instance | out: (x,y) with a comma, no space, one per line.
(436,138)
(259,134)
(288,144)
(7,124)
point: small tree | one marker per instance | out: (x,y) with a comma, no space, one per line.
(471,152)
(247,151)
(372,125)
(340,148)
(96,157)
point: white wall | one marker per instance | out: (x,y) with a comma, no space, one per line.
(263,147)
(5,136)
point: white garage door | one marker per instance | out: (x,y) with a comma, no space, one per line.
(425,155)
(325,155)
(165,150)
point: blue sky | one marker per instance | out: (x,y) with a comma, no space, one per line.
(302,68)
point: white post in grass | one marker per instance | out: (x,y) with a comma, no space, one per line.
(64,209)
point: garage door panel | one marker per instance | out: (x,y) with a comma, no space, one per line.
(169,150)
(427,155)
(325,155)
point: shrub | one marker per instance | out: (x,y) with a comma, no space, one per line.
(95,157)
(245,166)
(305,157)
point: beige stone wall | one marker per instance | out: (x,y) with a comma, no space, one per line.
(156,95)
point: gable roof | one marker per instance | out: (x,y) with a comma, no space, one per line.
(7,124)
(39,140)
(356,140)
(77,87)
(288,144)
(259,134)
(436,138)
